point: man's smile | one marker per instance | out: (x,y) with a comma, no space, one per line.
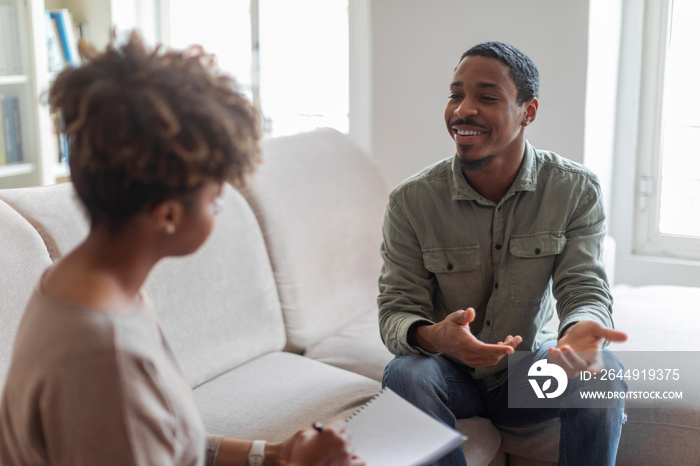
(467,132)
(466,128)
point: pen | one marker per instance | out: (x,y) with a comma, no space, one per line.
(318,426)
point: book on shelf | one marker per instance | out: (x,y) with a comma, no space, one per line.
(11,129)
(62,147)
(59,151)
(67,37)
(7,128)
(61,140)
(53,46)
(10,53)
(390,431)
(17,130)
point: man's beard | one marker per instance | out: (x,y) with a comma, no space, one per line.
(473,165)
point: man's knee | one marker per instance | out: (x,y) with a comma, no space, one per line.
(412,372)
(597,418)
(423,381)
(614,380)
(405,367)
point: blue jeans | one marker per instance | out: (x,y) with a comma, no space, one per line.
(447,391)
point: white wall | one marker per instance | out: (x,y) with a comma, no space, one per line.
(604,26)
(416,45)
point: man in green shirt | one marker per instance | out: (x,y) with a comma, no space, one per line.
(476,250)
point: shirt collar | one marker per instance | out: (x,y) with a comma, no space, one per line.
(525,180)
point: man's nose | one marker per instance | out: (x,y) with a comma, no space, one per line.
(466,108)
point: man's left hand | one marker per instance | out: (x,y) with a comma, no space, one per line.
(580,349)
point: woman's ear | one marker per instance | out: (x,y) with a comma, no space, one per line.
(168,215)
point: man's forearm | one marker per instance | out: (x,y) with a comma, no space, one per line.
(422,337)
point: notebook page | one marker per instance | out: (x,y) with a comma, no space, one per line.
(390,431)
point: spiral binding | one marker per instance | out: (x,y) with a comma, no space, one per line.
(361,408)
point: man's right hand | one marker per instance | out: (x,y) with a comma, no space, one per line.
(453,336)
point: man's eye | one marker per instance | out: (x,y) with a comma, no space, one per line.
(454,96)
(488,98)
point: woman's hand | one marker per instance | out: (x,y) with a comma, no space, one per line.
(308,447)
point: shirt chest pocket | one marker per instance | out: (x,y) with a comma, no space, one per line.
(532,261)
(458,274)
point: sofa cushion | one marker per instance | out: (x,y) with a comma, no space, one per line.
(538,443)
(637,310)
(23,257)
(219,307)
(481,448)
(55,212)
(659,437)
(320,202)
(279,393)
(356,347)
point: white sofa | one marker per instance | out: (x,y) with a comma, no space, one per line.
(274,320)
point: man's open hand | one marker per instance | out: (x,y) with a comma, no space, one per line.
(453,336)
(580,348)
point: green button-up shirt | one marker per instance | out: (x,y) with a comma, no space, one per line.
(448,248)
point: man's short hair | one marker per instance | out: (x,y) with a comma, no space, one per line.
(522,70)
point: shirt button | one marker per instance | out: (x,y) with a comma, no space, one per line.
(488,323)
(496,285)
(450,266)
(498,246)
(538,250)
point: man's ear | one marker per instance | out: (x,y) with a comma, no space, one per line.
(530,108)
(168,215)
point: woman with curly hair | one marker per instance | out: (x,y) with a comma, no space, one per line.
(154,136)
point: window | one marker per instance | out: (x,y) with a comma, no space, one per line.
(668,202)
(291,58)
(222,27)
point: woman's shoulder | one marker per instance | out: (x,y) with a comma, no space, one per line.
(59,335)
(76,360)
(74,284)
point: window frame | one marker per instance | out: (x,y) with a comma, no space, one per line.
(648,240)
(358,113)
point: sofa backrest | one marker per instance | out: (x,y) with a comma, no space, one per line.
(55,212)
(23,257)
(218,307)
(320,202)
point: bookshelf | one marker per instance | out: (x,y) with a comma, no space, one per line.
(29,81)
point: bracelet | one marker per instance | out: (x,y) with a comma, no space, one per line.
(256,455)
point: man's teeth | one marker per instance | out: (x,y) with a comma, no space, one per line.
(468,132)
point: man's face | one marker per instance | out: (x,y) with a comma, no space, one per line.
(482,113)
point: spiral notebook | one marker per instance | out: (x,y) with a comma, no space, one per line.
(390,431)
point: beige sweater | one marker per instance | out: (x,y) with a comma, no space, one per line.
(92,388)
